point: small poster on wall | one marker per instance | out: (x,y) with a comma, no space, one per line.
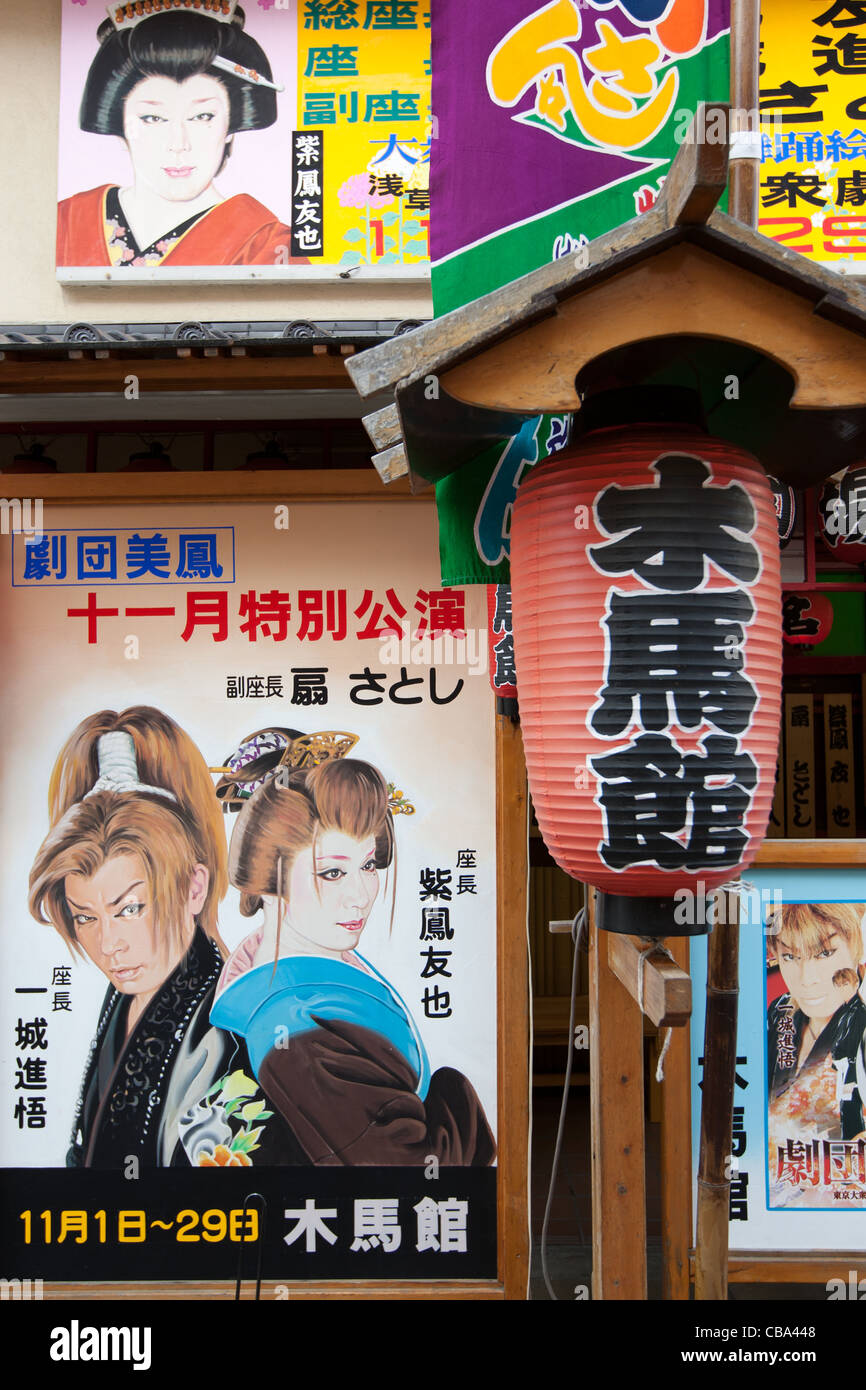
(798,1146)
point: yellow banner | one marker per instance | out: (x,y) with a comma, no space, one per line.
(364,82)
(813,124)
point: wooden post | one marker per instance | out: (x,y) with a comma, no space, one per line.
(717,1104)
(676,1152)
(617,1116)
(513,968)
(658,986)
(745,177)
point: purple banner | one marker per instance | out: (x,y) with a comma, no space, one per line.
(537,106)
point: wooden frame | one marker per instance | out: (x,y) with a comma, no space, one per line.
(513,1059)
(785,1266)
(744,1266)
(770,1266)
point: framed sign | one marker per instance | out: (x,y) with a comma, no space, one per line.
(798,1154)
(256,797)
(219,142)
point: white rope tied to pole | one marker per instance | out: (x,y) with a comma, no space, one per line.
(655,945)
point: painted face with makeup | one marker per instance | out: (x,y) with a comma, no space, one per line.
(809,975)
(176,133)
(112,914)
(329,900)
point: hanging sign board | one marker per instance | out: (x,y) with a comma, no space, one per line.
(800,765)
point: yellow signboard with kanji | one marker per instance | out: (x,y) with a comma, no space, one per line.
(364,81)
(813,124)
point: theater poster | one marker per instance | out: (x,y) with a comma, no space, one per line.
(798,1147)
(301,660)
(264,141)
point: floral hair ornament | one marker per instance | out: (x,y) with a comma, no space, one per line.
(118,767)
(263,755)
(125,17)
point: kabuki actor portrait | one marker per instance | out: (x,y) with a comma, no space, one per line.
(176,84)
(131,875)
(816,1030)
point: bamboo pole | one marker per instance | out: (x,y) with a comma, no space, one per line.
(745,176)
(717,1105)
(720,1035)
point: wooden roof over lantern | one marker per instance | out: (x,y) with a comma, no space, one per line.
(682,293)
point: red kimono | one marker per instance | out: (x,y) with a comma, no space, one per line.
(239,231)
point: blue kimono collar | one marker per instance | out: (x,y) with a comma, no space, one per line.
(268,1007)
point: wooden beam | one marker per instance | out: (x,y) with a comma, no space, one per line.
(384,427)
(391,464)
(225,373)
(359,485)
(618,1145)
(800,852)
(437,346)
(667,989)
(791,1267)
(698,175)
(534,369)
(313,1290)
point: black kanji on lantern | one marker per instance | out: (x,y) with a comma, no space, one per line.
(505,672)
(672,529)
(795,622)
(502,608)
(685,651)
(653,796)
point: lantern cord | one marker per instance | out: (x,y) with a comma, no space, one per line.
(660,1068)
(649,950)
(576,928)
(738,885)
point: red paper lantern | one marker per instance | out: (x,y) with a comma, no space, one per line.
(785,505)
(646,606)
(842,515)
(807,617)
(500,641)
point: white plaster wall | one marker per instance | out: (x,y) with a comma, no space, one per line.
(29,292)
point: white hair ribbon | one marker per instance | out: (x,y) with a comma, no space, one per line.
(118,767)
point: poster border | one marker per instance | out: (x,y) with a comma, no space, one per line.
(512,1002)
(785,1266)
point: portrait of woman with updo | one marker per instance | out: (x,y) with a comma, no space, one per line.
(333,1046)
(176,82)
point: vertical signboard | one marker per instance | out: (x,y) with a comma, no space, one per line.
(839,768)
(800,765)
(813,109)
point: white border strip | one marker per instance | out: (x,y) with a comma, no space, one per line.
(243,274)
